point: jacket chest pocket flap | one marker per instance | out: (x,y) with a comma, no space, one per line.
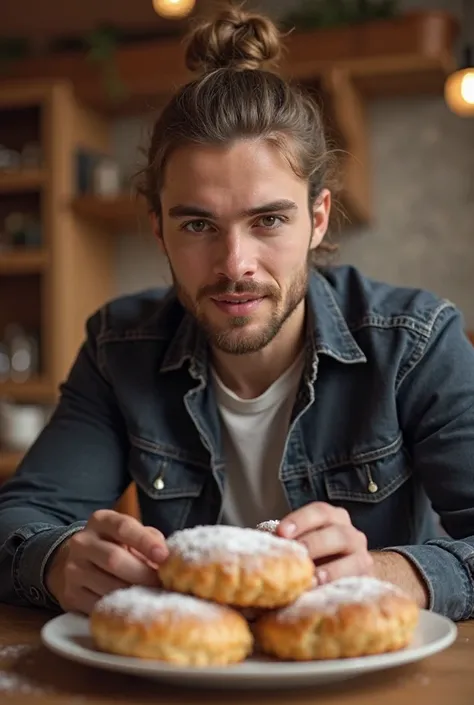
(165,473)
(370,477)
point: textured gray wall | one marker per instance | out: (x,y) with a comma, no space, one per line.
(423,184)
(423,189)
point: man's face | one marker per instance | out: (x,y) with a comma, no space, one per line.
(236,229)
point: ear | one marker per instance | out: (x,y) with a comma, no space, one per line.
(155,227)
(321,211)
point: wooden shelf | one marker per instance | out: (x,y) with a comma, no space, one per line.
(37,391)
(9,461)
(22,180)
(408,54)
(56,298)
(24,261)
(401,54)
(121,212)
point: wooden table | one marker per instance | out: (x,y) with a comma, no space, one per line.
(30,674)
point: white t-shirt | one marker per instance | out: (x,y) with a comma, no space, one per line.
(254,433)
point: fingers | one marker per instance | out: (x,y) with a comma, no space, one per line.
(112,552)
(123,529)
(354,564)
(79,599)
(92,578)
(335,545)
(334,540)
(312,516)
(112,559)
(137,554)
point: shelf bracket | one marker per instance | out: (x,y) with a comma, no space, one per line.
(348,109)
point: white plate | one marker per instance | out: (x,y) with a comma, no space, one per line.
(68,635)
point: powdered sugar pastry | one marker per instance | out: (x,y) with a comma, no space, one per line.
(141,604)
(206,544)
(328,598)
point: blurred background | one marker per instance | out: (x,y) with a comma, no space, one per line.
(80,86)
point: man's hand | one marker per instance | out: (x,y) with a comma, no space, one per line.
(113,551)
(335,545)
(339,550)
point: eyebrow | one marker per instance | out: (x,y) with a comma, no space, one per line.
(190,211)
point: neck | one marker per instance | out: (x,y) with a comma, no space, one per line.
(250,375)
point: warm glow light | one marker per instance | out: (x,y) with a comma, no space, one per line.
(459,92)
(467,87)
(173,9)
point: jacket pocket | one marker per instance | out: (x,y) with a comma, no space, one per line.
(168,483)
(376,490)
(370,477)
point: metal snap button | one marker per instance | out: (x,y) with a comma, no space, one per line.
(35,594)
(159,483)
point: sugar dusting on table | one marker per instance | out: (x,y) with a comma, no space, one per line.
(206,544)
(12,682)
(10,651)
(141,604)
(413,679)
(328,598)
(15,683)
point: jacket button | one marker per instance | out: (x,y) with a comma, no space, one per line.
(159,483)
(35,594)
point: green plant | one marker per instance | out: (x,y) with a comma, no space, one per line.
(12,49)
(102,44)
(314,14)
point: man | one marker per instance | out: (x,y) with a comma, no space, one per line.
(258,387)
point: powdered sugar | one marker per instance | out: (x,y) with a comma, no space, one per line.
(328,598)
(271,525)
(142,604)
(230,544)
(415,678)
(11,682)
(14,650)
(14,683)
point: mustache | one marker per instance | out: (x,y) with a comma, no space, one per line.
(226,286)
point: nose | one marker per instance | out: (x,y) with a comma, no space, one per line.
(236,257)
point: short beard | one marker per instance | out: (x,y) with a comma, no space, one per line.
(226,340)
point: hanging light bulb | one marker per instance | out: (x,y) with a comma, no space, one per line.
(467,87)
(459,86)
(173,9)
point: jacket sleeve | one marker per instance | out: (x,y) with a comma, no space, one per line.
(76,466)
(436,408)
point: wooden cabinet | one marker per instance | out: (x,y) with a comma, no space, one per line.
(48,288)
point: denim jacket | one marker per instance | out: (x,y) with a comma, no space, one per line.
(383,425)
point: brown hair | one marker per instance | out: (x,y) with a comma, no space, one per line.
(238,95)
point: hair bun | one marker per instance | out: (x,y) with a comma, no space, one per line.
(234,39)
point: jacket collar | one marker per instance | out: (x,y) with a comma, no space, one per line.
(327,331)
(327,326)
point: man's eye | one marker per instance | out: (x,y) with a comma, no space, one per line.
(196,226)
(271,221)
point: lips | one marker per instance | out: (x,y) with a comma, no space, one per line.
(237,299)
(237,305)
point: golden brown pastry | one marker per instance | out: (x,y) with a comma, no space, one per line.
(234,566)
(179,629)
(271,525)
(350,617)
